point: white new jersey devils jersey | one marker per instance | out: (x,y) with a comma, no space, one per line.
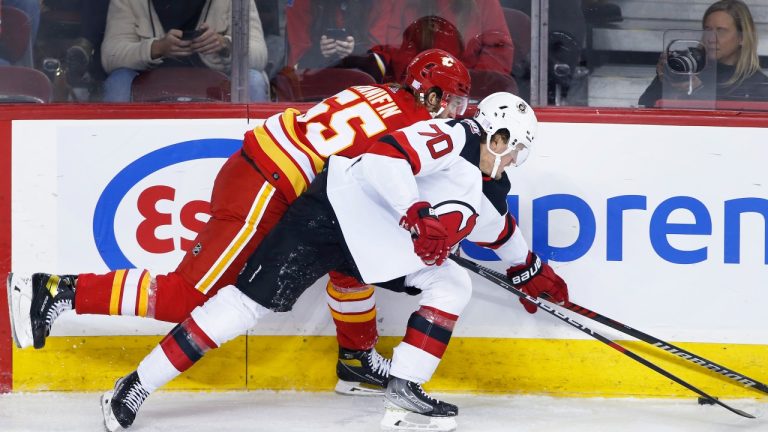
(434,161)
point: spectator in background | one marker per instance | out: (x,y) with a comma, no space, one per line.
(473,30)
(322,32)
(83,57)
(738,73)
(272,14)
(566,79)
(32,9)
(143,35)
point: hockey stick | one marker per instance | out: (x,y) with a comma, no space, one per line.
(502,282)
(666,346)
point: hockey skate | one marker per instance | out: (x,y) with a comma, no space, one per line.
(362,373)
(409,408)
(35,302)
(121,404)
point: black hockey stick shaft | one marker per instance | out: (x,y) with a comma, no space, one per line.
(666,346)
(502,282)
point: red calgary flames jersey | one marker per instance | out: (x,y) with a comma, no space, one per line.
(291,148)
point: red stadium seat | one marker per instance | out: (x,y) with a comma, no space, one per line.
(487,82)
(14,38)
(317,84)
(181,84)
(24,85)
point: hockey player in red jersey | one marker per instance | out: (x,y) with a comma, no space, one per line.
(415,194)
(253,189)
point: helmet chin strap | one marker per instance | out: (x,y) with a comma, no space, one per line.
(498,156)
(496,164)
(443,105)
(424,99)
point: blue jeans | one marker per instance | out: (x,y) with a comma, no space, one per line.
(258,86)
(117,86)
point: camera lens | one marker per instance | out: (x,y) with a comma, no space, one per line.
(561,70)
(51,64)
(686,62)
(680,63)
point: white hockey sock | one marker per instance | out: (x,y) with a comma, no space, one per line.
(223,317)
(413,364)
(155,370)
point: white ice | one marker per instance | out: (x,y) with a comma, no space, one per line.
(264,411)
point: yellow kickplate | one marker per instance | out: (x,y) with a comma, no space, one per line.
(471,365)
(86,363)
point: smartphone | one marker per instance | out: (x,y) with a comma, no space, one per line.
(336,33)
(190,34)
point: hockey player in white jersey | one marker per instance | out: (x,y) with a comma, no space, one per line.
(388,217)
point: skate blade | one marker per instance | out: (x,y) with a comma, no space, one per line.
(399,419)
(352,388)
(110,422)
(19,304)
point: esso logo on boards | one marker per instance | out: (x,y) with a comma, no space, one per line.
(154,207)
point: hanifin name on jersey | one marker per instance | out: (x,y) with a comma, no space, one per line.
(380,100)
(472,126)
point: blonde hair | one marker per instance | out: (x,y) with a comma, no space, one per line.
(748,63)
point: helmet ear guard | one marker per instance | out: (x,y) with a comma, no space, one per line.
(506,111)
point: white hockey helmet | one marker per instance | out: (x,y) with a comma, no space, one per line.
(506,111)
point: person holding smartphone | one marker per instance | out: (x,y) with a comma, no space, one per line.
(160,33)
(323,32)
(336,43)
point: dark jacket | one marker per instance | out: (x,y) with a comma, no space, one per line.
(754,87)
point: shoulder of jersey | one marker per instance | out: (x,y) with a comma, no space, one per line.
(472,125)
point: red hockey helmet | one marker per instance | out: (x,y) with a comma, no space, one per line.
(437,68)
(432,32)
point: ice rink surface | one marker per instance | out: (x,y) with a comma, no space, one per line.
(262,411)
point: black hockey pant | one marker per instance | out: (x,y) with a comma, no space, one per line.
(306,244)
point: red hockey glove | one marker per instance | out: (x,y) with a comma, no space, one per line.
(428,233)
(535,278)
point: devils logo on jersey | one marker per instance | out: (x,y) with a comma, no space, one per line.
(458,217)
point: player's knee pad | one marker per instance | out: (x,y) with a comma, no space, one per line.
(446,287)
(227,314)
